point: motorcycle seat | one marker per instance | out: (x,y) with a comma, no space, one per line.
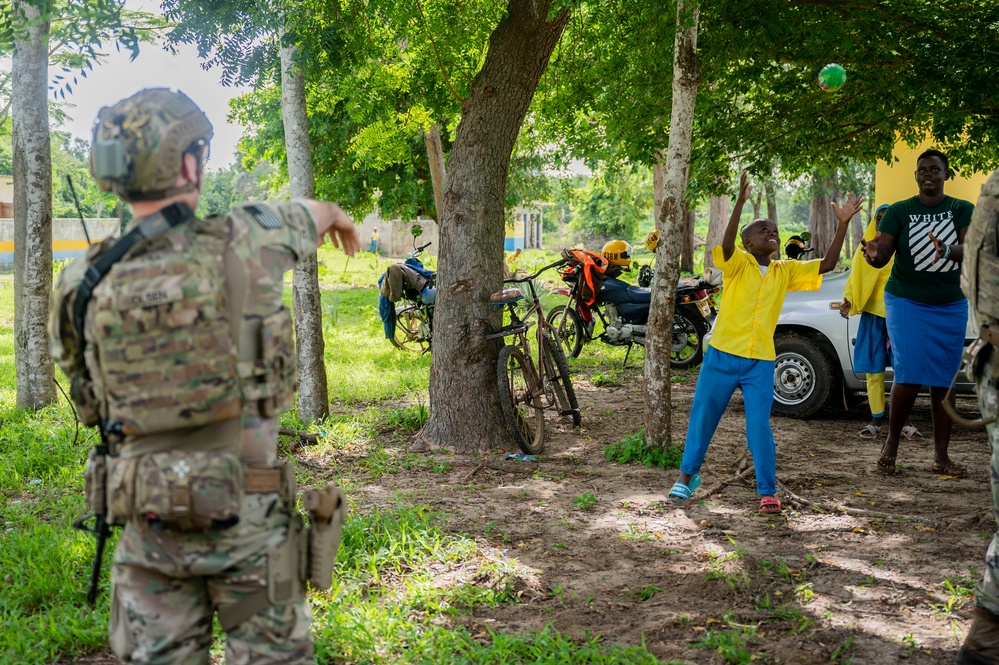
(617,292)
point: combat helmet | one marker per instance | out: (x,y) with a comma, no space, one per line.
(138,144)
(618,252)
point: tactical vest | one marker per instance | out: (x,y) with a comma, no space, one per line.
(158,339)
(980,267)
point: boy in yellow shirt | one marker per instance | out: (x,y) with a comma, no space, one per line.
(741,352)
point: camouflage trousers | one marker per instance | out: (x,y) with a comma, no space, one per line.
(167,584)
(987,590)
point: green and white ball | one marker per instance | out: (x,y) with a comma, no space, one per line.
(832,77)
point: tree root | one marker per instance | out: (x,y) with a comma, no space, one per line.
(801,503)
(728,481)
(468,476)
(305,438)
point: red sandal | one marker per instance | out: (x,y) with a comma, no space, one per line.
(770,505)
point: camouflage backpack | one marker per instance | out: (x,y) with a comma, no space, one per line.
(158,339)
(980,267)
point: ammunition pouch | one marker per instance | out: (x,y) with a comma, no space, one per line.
(270,379)
(95,483)
(81,391)
(181,490)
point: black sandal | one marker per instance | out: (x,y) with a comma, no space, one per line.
(886,464)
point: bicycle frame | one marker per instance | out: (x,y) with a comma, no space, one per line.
(518,327)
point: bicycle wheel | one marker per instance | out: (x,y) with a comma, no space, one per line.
(569,325)
(688,335)
(557,375)
(412,329)
(525,414)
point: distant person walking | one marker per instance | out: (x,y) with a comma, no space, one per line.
(926,312)
(374,241)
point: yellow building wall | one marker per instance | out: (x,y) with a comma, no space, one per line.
(897,181)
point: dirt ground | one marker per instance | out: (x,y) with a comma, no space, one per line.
(814,585)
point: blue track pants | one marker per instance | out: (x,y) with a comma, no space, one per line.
(720,375)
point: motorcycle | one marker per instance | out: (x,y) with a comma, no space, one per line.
(623,312)
(409,322)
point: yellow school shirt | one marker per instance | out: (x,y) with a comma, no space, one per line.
(751,302)
(865,287)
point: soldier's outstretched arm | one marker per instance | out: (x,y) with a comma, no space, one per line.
(331,220)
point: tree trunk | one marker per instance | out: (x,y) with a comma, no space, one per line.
(313,395)
(438,170)
(658,186)
(821,221)
(687,251)
(34,372)
(771,192)
(464,404)
(757,204)
(717,218)
(686,78)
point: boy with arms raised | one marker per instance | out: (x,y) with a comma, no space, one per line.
(741,352)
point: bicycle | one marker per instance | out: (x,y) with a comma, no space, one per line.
(414,319)
(527,389)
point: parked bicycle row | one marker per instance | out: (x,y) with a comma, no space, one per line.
(599,304)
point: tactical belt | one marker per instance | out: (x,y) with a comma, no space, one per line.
(262,480)
(152,227)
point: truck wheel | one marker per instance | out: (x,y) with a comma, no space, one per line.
(803,377)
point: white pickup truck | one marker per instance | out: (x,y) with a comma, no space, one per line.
(814,347)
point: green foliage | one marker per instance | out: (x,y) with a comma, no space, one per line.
(584,501)
(731,645)
(633,448)
(71,157)
(224,188)
(613,204)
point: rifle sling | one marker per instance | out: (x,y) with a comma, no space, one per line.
(150,228)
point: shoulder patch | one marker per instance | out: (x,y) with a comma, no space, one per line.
(264,216)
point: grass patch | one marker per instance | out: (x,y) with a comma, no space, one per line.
(633,448)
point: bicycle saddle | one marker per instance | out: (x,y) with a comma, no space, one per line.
(506,296)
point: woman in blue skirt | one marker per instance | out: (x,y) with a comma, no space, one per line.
(926,312)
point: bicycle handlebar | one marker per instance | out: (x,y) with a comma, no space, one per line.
(521,280)
(417,250)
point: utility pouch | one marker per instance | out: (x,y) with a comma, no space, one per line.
(271,379)
(95,482)
(326,510)
(81,390)
(286,566)
(120,490)
(190,490)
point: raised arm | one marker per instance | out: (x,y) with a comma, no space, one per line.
(844,214)
(728,240)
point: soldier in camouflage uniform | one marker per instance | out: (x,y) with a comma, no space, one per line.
(186,358)
(980,281)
